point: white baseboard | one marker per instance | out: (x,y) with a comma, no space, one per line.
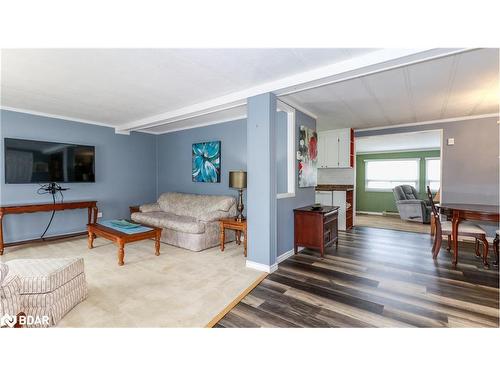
(286,255)
(262,267)
(274,267)
(370,213)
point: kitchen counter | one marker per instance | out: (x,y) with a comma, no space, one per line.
(329,187)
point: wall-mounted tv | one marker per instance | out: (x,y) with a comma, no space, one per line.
(28,161)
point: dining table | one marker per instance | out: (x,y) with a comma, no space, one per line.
(464,211)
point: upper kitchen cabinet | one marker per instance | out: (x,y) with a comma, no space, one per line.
(336,148)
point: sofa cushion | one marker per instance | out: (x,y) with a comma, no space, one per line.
(45,275)
(195,205)
(167,220)
(149,218)
(150,207)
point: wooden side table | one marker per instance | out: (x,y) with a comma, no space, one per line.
(238,226)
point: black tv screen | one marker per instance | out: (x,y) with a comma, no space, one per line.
(29,161)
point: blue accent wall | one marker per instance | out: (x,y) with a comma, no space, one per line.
(303,196)
(137,168)
(175,157)
(125,173)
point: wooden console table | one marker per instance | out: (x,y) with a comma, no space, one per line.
(91,207)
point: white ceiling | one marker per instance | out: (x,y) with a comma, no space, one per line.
(117,86)
(172,89)
(424,140)
(464,84)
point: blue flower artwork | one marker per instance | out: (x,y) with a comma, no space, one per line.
(206,162)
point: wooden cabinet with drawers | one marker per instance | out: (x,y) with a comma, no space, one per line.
(315,229)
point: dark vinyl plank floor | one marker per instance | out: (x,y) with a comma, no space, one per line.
(376,278)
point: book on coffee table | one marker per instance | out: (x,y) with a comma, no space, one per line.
(122,223)
(125,226)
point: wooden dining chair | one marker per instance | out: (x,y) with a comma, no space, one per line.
(496,243)
(465,230)
(437,198)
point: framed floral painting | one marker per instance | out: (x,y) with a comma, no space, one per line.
(206,161)
(307,155)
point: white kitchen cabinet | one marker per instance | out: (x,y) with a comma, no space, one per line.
(344,147)
(324,198)
(321,150)
(339,199)
(335,148)
(328,149)
(334,198)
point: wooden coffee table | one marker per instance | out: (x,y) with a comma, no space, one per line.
(122,238)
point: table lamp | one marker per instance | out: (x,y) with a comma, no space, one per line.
(238,180)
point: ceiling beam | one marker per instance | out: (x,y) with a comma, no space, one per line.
(428,122)
(383,59)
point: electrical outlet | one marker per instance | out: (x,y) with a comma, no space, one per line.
(99,214)
(451,141)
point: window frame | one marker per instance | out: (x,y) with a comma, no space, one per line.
(375,190)
(426,174)
(290,111)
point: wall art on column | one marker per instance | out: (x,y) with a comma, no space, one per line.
(206,161)
(307,155)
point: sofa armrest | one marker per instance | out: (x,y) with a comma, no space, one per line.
(149,207)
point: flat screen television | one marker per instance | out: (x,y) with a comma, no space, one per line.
(28,161)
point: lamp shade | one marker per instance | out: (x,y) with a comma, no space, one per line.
(238,179)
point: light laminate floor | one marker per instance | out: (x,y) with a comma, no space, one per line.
(390,222)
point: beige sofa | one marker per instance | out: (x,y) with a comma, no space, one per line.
(189,221)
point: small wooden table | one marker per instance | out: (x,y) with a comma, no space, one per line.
(238,226)
(461,211)
(122,238)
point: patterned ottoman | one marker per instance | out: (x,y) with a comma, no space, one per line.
(9,293)
(49,287)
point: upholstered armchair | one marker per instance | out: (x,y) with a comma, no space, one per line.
(410,206)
